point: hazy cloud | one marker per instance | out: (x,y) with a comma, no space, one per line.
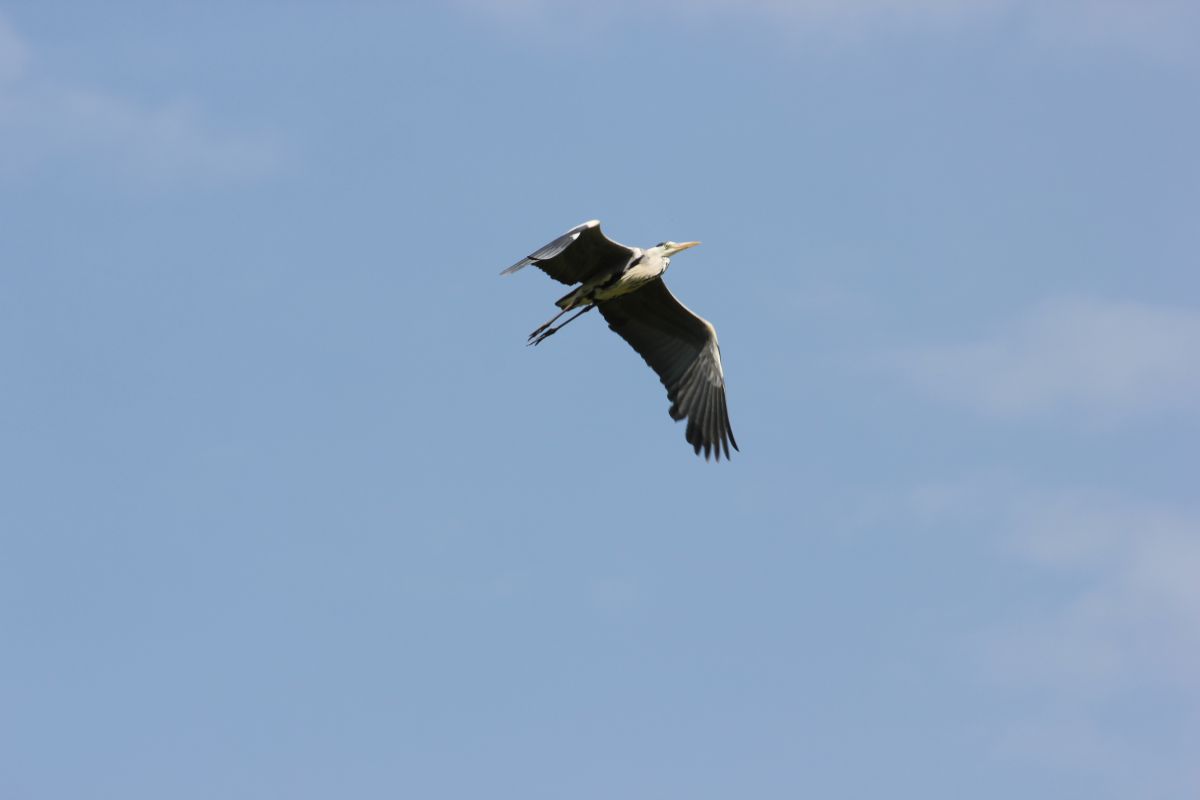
(1108,620)
(45,123)
(1162,28)
(1128,634)
(1135,616)
(13,53)
(1158,27)
(1102,358)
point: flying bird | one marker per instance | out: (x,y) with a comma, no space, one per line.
(626,284)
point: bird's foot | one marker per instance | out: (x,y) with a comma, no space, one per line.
(541,336)
(538,330)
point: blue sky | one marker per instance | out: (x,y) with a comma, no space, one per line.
(290,511)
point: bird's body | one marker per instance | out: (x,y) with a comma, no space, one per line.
(625,283)
(642,268)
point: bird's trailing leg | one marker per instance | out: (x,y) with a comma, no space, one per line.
(541,333)
(550,322)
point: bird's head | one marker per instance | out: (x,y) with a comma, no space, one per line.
(668,249)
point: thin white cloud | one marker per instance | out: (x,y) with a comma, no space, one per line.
(1128,630)
(1160,28)
(44,124)
(1134,618)
(1101,358)
(1155,27)
(13,53)
(1109,617)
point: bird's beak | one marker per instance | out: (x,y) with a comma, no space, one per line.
(680,247)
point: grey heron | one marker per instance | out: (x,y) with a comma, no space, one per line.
(626,284)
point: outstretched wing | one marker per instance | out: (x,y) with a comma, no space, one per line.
(579,254)
(682,348)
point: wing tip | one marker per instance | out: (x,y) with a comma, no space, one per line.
(712,447)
